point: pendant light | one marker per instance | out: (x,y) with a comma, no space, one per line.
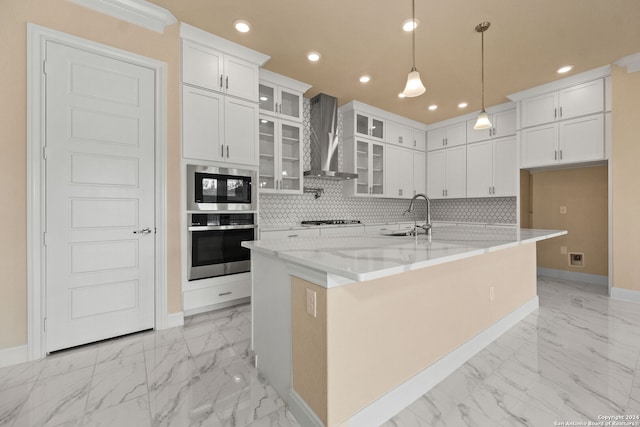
(414,85)
(483,118)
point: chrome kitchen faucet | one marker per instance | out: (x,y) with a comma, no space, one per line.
(427,225)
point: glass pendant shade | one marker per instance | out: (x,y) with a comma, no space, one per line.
(414,85)
(483,121)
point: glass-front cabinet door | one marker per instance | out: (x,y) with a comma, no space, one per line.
(280,101)
(369,126)
(280,156)
(290,158)
(370,168)
(267,133)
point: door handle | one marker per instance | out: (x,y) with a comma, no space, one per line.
(143,231)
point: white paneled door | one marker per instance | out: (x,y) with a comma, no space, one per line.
(100,231)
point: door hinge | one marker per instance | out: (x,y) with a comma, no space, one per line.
(44,238)
(44,153)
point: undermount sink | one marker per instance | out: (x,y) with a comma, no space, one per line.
(399,233)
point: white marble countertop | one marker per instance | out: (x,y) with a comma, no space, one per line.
(371,256)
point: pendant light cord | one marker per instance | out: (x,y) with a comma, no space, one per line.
(482,73)
(413,34)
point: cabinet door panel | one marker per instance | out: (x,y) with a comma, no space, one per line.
(291,157)
(290,104)
(435,174)
(435,139)
(479,169)
(419,140)
(456,134)
(505,167)
(475,135)
(393,177)
(582,139)
(419,173)
(504,123)
(202,124)
(241,78)
(240,131)
(456,172)
(268,155)
(267,100)
(201,66)
(582,99)
(539,146)
(540,109)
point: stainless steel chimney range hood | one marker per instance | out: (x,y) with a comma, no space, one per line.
(324,140)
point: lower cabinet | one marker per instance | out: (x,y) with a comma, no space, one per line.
(447,173)
(492,168)
(288,234)
(570,141)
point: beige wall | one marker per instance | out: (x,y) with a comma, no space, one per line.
(371,336)
(584,192)
(64,16)
(625,164)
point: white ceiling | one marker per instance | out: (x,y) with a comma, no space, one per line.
(528,40)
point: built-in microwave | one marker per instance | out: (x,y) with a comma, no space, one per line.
(212,188)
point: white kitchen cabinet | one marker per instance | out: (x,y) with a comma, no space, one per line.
(570,141)
(280,156)
(209,68)
(503,124)
(218,128)
(406,136)
(447,136)
(399,172)
(492,167)
(367,159)
(419,172)
(447,173)
(575,101)
(360,123)
(289,234)
(281,96)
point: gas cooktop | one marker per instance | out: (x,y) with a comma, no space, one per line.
(331,222)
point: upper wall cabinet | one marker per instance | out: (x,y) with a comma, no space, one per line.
(361,123)
(574,101)
(447,136)
(406,136)
(502,124)
(212,69)
(281,96)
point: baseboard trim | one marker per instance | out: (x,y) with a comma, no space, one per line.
(625,294)
(175,319)
(13,355)
(593,279)
(303,414)
(403,395)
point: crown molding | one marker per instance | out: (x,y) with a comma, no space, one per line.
(632,62)
(139,12)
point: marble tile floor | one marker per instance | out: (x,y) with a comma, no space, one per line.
(573,359)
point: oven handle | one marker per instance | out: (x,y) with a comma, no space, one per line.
(221,227)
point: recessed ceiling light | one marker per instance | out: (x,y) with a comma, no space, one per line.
(410,25)
(313,56)
(241,26)
(565,69)
(463,105)
(401,95)
(365,79)
(433,107)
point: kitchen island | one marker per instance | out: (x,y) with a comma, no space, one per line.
(350,330)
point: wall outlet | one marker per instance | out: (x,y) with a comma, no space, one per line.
(576,259)
(563,250)
(563,210)
(311,302)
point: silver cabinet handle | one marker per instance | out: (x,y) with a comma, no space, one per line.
(414,143)
(400,192)
(292,235)
(561,151)
(280,109)
(560,112)
(224,293)
(227,82)
(220,81)
(143,231)
(555,156)
(555,113)
(227,151)
(400,140)
(222,150)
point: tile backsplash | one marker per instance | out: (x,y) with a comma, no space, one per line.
(290,209)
